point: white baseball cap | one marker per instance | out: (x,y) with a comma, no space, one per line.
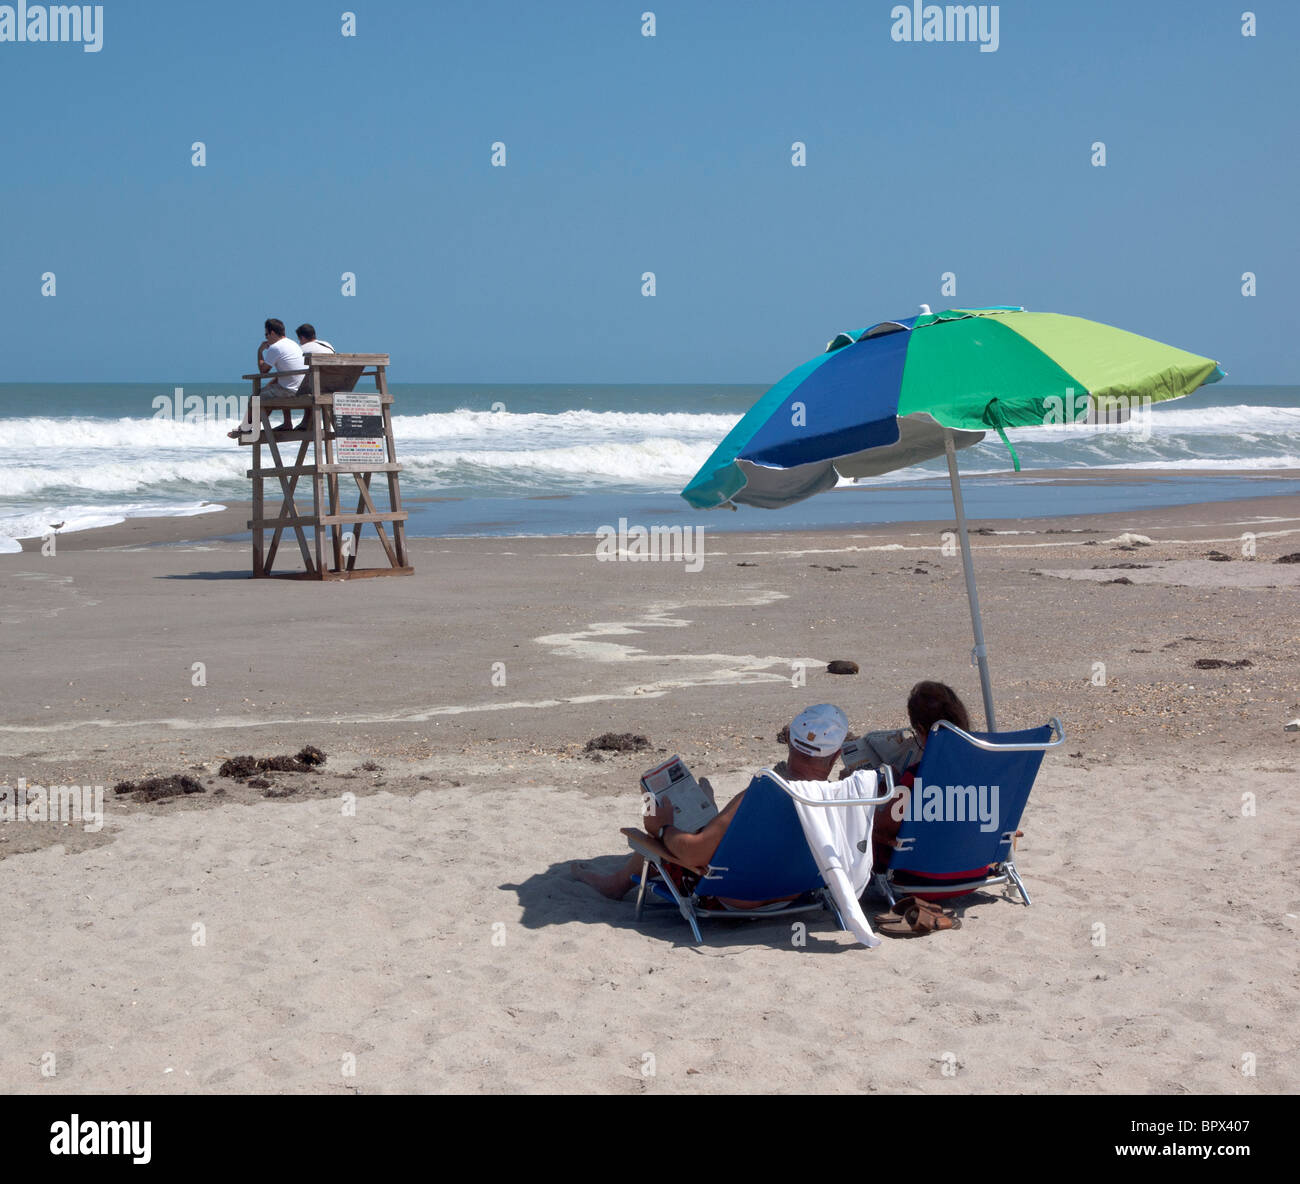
(819,730)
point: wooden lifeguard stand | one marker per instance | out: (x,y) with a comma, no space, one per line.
(347,433)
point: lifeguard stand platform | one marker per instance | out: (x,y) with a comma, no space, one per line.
(347,433)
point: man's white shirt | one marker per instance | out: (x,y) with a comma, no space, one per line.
(285,355)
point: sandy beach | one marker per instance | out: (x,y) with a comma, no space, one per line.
(402,918)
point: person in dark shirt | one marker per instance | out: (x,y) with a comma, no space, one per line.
(928,703)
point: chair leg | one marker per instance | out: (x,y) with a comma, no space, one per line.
(683,906)
(828,900)
(640,895)
(882,882)
(1019,883)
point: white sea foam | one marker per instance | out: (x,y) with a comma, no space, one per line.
(41,435)
(1288,461)
(34,524)
(1169,418)
(126,462)
(491,428)
(1239,419)
(122,476)
(656,462)
(497,427)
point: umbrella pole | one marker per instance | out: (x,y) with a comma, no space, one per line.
(980,653)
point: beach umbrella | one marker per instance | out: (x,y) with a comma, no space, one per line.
(904,391)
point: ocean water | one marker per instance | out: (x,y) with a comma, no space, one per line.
(555,459)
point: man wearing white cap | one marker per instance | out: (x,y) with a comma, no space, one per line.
(819,732)
(816,737)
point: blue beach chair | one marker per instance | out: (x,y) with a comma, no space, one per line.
(762,856)
(965,806)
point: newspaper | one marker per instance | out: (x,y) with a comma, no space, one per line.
(673,780)
(897,748)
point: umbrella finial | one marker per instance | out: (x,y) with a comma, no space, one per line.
(925,310)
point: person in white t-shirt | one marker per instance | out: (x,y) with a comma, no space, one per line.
(308,342)
(277,354)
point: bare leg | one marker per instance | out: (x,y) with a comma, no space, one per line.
(615,885)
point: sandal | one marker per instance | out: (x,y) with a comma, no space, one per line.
(905,903)
(917,922)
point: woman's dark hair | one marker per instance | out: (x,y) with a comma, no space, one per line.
(930,702)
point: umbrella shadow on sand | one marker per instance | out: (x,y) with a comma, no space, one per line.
(553,897)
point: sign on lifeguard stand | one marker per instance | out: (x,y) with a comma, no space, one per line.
(348,433)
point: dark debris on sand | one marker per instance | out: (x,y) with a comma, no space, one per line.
(281,764)
(617,742)
(842,665)
(1218,557)
(1294,557)
(155,789)
(243,767)
(1219,663)
(239,767)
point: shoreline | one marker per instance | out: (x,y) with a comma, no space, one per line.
(228,524)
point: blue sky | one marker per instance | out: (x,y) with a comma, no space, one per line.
(625,154)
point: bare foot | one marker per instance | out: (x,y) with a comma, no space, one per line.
(615,885)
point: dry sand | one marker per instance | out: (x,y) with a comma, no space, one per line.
(411,926)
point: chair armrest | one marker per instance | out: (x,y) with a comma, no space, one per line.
(830,803)
(993,746)
(654,850)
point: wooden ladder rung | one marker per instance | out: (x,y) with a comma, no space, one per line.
(308,470)
(386,516)
(329,519)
